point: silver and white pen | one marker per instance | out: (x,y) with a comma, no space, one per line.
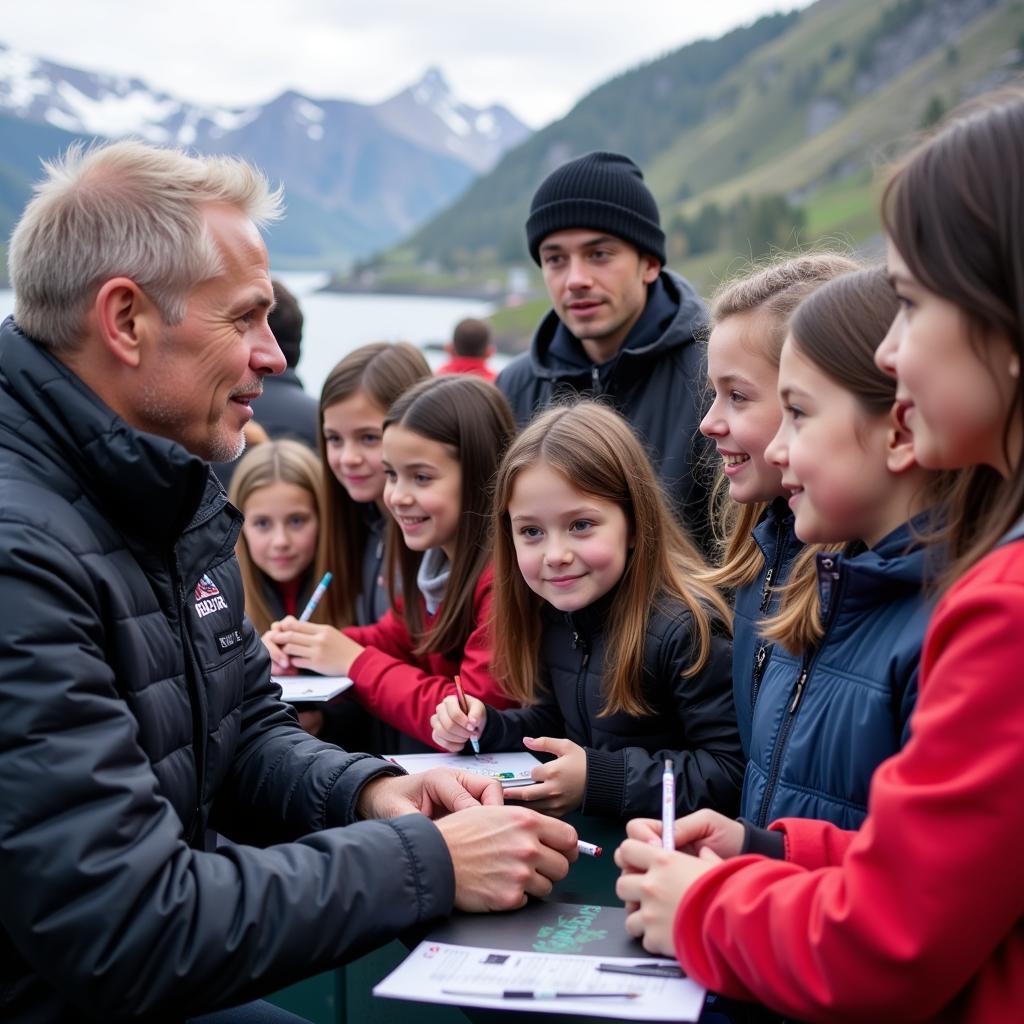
(668,806)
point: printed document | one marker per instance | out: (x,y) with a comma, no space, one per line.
(434,970)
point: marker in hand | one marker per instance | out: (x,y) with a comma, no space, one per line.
(314,599)
(465,710)
(668,806)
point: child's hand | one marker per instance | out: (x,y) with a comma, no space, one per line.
(704,829)
(279,663)
(453,727)
(652,884)
(310,645)
(560,783)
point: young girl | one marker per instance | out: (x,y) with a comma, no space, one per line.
(755,524)
(442,443)
(280,550)
(836,697)
(602,630)
(919,914)
(353,403)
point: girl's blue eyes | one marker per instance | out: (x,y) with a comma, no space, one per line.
(793,410)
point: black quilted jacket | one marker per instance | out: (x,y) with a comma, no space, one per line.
(137,713)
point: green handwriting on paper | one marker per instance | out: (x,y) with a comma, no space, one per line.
(571,934)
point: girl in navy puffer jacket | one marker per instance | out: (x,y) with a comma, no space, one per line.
(837,694)
(755,525)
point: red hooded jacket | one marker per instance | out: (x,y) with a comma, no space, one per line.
(919,915)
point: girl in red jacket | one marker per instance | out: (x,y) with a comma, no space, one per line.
(920,913)
(443,440)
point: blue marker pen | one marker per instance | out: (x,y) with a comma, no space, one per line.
(314,600)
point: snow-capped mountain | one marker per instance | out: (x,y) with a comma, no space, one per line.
(356,176)
(428,113)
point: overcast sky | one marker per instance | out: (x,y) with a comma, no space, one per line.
(536,56)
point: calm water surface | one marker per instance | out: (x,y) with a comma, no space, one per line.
(336,324)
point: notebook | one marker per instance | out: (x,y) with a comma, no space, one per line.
(510,769)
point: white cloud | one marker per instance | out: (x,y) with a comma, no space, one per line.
(536,57)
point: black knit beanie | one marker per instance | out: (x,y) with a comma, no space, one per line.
(602,192)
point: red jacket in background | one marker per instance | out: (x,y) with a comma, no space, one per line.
(919,915)
(476,365)
(404,689)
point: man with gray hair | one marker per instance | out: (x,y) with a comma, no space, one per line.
(137,714)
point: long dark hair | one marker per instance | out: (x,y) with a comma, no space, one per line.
(473,419)
(381,371)
(954,209)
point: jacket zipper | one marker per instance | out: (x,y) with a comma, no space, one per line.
(761,657)
(828,564)
(198,718)
(760,661)
(773,569)
(579,643)
(595,381)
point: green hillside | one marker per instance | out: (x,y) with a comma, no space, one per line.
(768,138)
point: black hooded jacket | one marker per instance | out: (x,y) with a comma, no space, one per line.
(136,711)
(657,381)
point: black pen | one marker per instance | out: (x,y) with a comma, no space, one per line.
(647,970)
(526,993)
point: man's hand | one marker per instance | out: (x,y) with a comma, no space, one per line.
(503,854)
(310,645)
(693,833)
(652,884)
(434,793)
(559,784)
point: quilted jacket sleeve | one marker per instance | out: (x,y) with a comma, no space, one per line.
(102,896)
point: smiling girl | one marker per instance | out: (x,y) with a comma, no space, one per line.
(280,550)
(353,404)
(919,915)
(601,629)
(442,442)
(754,522)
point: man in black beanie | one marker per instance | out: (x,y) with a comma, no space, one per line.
(622,327)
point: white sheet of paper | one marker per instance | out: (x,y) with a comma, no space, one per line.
(511,769)
(297,689)
(434,966)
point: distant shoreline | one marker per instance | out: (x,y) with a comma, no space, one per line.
(498,297)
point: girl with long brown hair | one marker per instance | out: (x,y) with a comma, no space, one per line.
(354,401)
(918,915)
(602,629)
(442,442)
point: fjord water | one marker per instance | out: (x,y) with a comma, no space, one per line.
(335,324)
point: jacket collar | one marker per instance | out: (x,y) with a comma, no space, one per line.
(673,316)
(147,485)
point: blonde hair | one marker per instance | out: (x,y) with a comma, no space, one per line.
(775,291)
(123,210)
(382,371)
(273,462)
(595,450)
